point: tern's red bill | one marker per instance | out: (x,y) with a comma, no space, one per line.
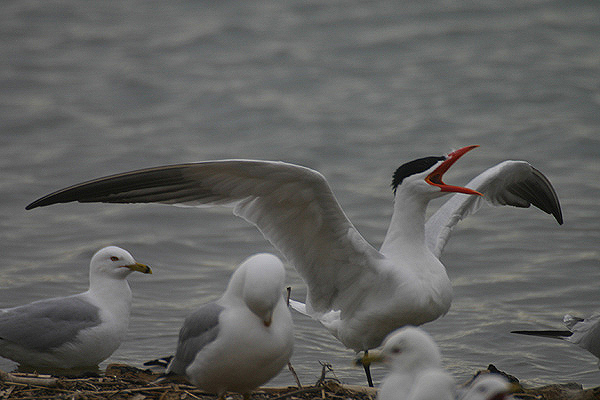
(435,178)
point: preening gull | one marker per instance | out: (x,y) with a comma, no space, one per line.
(360,294)
(75,331)
(415,365)
(584,332)
(243,339)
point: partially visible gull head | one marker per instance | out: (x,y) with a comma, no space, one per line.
(409,349)
(488,387)
(416,371)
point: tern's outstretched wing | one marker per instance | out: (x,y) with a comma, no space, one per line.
(513,183)
(293,207)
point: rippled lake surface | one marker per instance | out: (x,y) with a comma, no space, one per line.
(350,88)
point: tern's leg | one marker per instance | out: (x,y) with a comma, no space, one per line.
(367,367)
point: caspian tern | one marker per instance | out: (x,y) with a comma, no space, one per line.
(584,332)
(77,331)
(359,293)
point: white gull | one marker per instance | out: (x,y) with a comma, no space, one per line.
(76,331)
(243,339)
(415,367)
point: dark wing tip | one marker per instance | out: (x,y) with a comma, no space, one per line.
(549,333)
(86,191)
(144,185)
(558,216)
(536,189)
(80,192)
(41,202)
(51,198)
(551,204)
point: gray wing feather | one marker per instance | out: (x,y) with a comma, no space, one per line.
(47,324)
(199,329)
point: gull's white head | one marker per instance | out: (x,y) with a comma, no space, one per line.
(488,387)
(263,282)
(424,176)
(116,263)
(410,349)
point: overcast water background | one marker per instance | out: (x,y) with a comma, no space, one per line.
(350,88)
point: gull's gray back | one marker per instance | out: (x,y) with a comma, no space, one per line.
(47,324)
(199,329)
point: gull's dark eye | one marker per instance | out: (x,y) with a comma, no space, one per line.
(114,258)
(395,350)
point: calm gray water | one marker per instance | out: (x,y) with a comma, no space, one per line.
(350,88)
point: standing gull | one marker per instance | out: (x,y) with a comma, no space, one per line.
(359,293)
(584,332)
(243,339)
(76,331)
(415,364)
